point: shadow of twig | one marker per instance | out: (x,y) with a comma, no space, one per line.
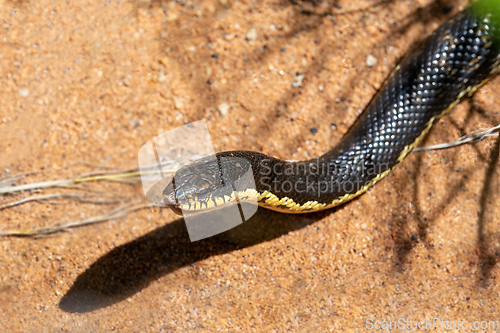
(487,259)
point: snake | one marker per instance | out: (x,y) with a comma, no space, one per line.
(449,65)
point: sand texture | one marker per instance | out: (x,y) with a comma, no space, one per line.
(84,84)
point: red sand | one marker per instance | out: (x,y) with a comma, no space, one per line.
(94,81)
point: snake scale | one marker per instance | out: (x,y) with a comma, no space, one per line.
(446,67)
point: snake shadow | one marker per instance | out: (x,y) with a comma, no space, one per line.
(131,267)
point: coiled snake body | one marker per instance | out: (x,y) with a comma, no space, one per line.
(449,65)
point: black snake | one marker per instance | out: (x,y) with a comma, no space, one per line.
(449,65)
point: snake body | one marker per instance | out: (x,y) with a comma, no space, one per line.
(449,65)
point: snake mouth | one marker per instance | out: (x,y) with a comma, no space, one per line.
(197,206)
(175,208)
(182,204)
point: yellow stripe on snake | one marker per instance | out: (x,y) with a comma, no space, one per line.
(448,66)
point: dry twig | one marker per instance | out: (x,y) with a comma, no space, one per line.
(474,136)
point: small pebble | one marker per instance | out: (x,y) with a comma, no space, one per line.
(171,16)
(134,123)
(371,60)
(297,81)
(447,9)
(161,76)
(251,34)
(164,61)
(178,103)
(24,92)
(314,130)
(223,109)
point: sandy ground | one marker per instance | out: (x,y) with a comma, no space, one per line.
(93,81)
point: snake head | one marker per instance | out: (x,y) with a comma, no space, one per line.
(191,186)
(207,184)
